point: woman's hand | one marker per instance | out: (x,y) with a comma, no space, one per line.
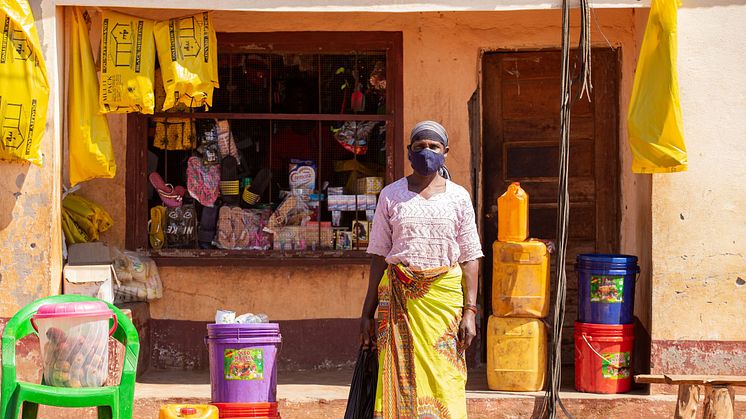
(467,330)
(367,332)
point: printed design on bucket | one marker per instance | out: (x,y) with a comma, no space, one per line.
(243,364)
(616,366)
(607,289)
(447,346)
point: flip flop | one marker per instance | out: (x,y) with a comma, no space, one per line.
(225,239)
(156,227)
(229,184)
(207,225)
(203,182)
(240,220)
(170,195)
(253,193)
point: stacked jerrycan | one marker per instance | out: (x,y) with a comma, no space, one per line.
(516,334)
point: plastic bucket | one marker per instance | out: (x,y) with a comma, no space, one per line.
(243,362)
(603,357)
(606,288)
(248,410)
(74,340)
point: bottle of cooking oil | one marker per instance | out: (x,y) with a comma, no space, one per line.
(512,214)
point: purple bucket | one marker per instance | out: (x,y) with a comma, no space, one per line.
(243,362)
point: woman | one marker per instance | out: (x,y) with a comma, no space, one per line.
(425,244)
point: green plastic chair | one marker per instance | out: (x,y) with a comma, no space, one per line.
(21,397)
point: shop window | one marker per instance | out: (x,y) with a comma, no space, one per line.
(313,121)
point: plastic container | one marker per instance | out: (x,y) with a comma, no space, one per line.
(606,288)
(74,340)
(603,357)
(520,279)
(243,362)
(512,214)
(189,411)
(516,354)
(248,410)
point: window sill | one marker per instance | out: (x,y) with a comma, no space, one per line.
(217,257)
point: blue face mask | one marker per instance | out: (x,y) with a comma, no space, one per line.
(426,162)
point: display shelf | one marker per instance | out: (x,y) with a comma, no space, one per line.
(218,257)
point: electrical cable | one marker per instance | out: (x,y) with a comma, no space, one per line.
(554,368)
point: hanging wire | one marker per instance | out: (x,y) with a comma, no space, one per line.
(554,369)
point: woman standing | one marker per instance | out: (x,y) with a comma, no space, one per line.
(423,280)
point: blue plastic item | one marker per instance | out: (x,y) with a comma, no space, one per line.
(606,288)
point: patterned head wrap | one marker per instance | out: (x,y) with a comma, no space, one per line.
(430,130)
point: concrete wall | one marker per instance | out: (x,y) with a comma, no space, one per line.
(30,230)
(699,221)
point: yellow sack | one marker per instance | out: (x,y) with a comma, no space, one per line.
(24,92)
(127,64)
(91,155)
(187,53)
(656,128)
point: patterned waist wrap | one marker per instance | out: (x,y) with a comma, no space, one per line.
(422,370)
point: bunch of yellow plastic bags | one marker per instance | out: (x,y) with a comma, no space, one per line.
(83,220)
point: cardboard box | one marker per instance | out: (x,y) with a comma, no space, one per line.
(369,185)
(89,271)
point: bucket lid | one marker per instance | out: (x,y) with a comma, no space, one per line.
(617,259)
(74,309)
(233,330)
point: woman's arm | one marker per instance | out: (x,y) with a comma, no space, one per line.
(367,323)
(468,327)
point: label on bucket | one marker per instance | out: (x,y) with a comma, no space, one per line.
(615,366)
(243,364)
(607,289)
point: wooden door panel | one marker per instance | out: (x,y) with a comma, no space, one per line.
(521,143)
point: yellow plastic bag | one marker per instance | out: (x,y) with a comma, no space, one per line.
(24,92)
(91,154)
(656,128)
(83,220)
(127,64)
(187,53)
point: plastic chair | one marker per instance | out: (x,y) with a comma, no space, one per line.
(21,397)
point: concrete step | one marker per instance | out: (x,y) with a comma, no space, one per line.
(323,394)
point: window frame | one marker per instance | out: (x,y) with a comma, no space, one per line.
(136,237)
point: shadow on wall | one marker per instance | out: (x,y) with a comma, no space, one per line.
(11,185)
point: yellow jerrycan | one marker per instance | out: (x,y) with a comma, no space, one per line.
(512,214)
(520,279)
(188,411)
(516,354)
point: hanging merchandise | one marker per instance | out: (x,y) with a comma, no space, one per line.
(353,136)
(127,64)
(187,53)
(181,226)
(91,154)
(174,134)
(656,127)
(83,220)
(203,182)
(23,103)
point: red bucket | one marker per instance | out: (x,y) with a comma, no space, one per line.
(261,410)
(603,357)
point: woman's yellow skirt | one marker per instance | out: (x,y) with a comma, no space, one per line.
(422,368)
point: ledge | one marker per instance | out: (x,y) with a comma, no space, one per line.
(218,257)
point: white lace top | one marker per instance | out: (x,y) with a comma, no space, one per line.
(425,233)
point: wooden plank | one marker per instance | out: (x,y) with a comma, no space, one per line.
(686,404)
(136,182)
(536,97)
(676,379)
(309,42)
(536,127)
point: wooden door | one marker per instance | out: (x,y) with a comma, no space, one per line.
(521,102)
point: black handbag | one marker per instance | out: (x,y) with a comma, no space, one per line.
(362,398)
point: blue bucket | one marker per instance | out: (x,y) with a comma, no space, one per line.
(606,288)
